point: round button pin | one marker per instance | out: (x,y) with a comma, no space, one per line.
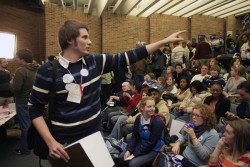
(84,72)
(68,78)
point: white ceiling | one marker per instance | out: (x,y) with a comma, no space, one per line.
(145,8)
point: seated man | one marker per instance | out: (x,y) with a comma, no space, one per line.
(160,103)
(202,75)
(180,73)
(121,98)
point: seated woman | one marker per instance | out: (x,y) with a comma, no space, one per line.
(201,139)
(182,92)
(218,103)
(150,80)
(212,62)
(233,149)
(237,72)
(169,72)
(161,81)
(170,87)
(197,96)
(147,136)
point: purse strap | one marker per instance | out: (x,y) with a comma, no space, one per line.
(52,91)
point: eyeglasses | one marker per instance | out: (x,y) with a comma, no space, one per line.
(195,115)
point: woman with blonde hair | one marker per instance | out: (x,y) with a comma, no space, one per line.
(200,135)
(147,136)
(237,72)
(233,149)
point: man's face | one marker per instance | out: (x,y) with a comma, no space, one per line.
(125,86)
(81,45)
(18,60)
(214,73)
(156,95)
(4,63)
(178,69)
(244,38)
(245,96)
(204,70)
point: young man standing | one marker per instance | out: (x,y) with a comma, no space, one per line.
(21,86)
(77,105)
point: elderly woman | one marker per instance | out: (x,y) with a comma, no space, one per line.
(147,136)
(202,138)
(233,149)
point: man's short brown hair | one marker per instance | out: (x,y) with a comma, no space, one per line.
(69,31)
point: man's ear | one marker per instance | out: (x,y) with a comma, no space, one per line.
(71,42)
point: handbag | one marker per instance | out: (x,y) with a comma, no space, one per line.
(35,141)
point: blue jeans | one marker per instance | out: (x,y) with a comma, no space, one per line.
(116,131)
(182,116)
(139,161)
(24,122)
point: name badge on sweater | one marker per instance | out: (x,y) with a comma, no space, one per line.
(74,94)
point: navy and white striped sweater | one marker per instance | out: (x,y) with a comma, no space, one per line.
(73,121)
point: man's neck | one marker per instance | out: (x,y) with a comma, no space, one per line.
(71,56)
(203,74)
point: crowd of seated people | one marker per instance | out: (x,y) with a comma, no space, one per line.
(198,93)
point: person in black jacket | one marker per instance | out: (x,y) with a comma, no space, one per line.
(218,103)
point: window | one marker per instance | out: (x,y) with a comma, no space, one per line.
(7,45)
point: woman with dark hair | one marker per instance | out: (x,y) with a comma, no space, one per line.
(201,138)
(218,103)
(233,149)
(197,96)
(182,92)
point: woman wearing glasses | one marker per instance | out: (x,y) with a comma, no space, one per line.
(202,138)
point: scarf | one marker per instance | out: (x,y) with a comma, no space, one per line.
(199,130)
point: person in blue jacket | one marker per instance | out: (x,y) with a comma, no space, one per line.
(147,137)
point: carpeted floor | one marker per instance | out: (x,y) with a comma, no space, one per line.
(9,159)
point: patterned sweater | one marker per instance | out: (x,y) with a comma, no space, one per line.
(225,160)
(72,121)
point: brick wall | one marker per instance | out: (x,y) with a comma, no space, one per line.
(28,31)
(164,25)
(206,25)
(233,24)
(55,16)
(120,33)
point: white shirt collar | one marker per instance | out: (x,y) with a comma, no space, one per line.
(65,63)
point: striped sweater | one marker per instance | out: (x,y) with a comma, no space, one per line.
(225,160)
(72,121)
